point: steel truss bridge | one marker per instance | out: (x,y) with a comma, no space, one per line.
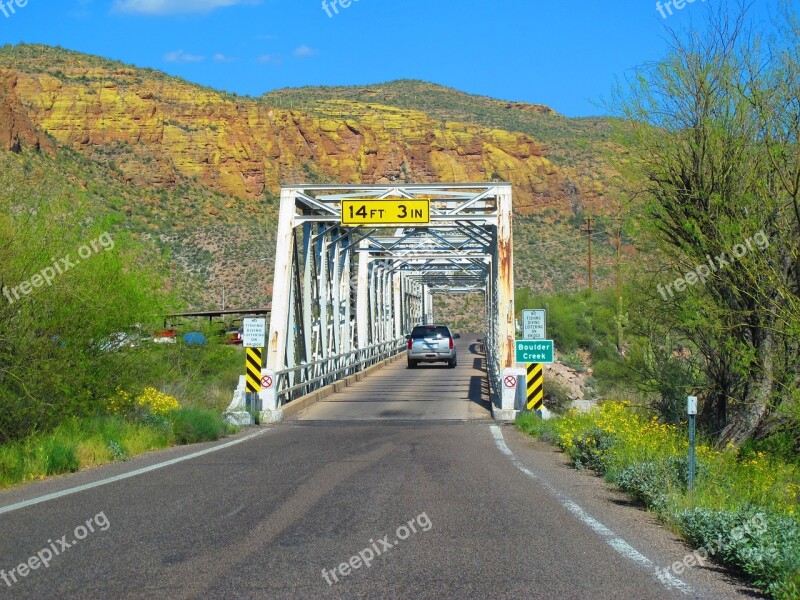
(345,297)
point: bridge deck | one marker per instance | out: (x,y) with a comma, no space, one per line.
(429,392)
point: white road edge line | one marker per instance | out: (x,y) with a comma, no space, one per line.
(142,471)
(612,539)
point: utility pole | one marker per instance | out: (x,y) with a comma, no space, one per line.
(620,341)
(619,259)
(589,231)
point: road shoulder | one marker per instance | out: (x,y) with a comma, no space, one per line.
(628,520)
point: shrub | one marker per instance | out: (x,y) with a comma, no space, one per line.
(532,424)
(121,403)
(651,482)
(157,422)
(116,450)
(573,361)
(766,546)
(643,481)
(789,588)
(60,457)
(193,425)
(12,468)
(156,402)
(589,450)
(783,443)
(556,396)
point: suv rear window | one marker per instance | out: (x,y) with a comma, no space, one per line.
(430,331)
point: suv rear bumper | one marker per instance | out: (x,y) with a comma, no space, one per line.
(431,356)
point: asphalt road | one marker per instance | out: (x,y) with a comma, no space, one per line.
(429,392)
(438,508)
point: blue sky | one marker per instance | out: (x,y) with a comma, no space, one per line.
(563,53)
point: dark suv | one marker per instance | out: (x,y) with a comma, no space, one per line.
(431,343)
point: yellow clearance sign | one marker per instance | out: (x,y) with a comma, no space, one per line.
(397,211)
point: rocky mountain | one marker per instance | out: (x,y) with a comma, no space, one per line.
(207,161)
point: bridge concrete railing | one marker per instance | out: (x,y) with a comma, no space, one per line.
(304,379)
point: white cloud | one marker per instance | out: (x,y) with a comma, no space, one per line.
(82,11)
(171,7)
(181,56)
(221,58)
(304,52)
(269,59)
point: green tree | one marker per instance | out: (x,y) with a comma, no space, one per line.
(716,126)
(69,283)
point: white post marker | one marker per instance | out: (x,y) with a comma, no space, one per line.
(509,383)
(691,410)
(270,413)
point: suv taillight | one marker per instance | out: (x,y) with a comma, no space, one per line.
(409,343)
(452,344)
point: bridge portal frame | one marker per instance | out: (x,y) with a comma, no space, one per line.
(344,297)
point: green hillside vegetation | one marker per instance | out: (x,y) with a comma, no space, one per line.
(57,61)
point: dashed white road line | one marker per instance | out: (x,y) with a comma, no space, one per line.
(142,471)
(612,539)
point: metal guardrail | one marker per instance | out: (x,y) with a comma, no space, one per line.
(492,375)
(299,381)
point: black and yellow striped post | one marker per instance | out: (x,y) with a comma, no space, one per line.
(535,387)
(253,373)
